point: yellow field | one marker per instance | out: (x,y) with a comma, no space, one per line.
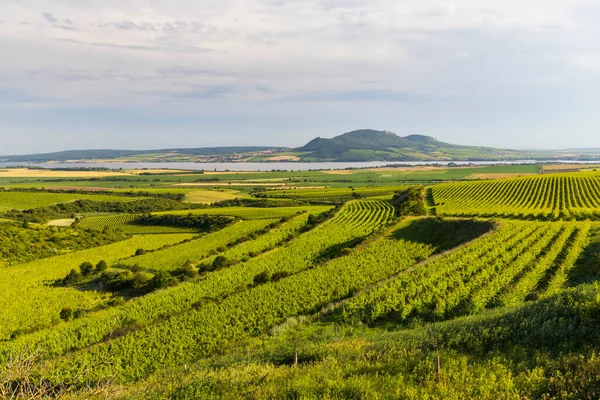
(61,222)
(154,171)
(339,172)
(498,176)
(571,167)
(209,196)
(48,173)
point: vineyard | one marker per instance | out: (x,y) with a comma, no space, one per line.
(358,297)
(519,261)
(296,256)
(331,196)
(124,223)
(102,222)
(546,197)
(251,212)
(216,323)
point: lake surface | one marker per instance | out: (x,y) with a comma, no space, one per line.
(255,166)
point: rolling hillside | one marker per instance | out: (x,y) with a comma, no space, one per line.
(368,144)
(359,145)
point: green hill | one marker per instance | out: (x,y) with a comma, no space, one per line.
(369,145)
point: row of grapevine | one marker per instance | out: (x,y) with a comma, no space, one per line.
(200,248)
(265,242)
(502,269)
(252,212)
(101,222)
(184,337)
(551,197)
(293,257)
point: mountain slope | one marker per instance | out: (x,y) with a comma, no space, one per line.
(369,145)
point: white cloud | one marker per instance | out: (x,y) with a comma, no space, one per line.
(178,54)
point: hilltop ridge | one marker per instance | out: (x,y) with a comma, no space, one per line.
(358,145)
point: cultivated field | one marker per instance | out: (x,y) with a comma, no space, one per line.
(383,283)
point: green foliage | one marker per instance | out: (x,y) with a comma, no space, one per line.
(66,210)
(261,278)
(72,278)
(115,281)
(204,223)
(162,279)
(40,307)
(20,245)
(101,266)
(351,296)
(66,314)
(86,268)
(409,202)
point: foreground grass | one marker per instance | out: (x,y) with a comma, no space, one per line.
(547,349)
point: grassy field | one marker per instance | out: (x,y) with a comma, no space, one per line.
(356,292)
(210,196)
(173,180)
(27,200)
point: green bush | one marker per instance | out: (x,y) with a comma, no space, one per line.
(263,277)
(72,278)
(86,268)
(101,267)
(66,314)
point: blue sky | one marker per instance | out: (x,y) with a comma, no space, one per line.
(152,74)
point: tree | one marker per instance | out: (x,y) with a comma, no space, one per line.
(86,268)
(101,266)
(72,277)
(220,262)
(162,279)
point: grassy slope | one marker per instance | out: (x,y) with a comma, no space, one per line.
(536,350)
(42,304)
(26,200)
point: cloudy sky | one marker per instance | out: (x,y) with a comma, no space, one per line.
(180,73)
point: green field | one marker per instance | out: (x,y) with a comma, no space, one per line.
(346,284)
(27,200)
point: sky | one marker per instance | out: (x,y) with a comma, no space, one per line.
(143,74)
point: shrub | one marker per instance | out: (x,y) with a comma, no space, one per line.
(72,278)
(140,280)
(186,271)
(162,280)
(86,268)
(220,262)
(263,277)
(117,280)
(280,275)
(101,267)
(66,314)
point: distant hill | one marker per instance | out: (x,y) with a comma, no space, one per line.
(142,155)
(369,144)
(359,145)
